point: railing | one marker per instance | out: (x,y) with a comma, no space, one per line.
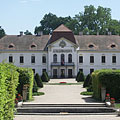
(62,64)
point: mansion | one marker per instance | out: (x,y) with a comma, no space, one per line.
(61,54)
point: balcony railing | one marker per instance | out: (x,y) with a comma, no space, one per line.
(62,64)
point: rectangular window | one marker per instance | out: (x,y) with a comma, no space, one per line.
(21,59)
(32,59)
(54,73)
(91,70)
(10,59)
(81,70)
(113,59)
(33,71)
(103,59)
(44,59)
(43,70)
(80,59)
(91,59)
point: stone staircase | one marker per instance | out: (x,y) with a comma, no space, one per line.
(65,109)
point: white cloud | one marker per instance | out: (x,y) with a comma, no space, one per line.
(35,0)
(23,1)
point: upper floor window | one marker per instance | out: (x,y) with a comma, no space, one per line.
(113,59)
(32,59)
(70,58)
(54,58)
(44,59)
(80,59)
(10,59)
(103,59)
(91,59)
(21,59)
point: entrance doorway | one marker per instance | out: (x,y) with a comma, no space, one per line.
(62,73)
(70,73)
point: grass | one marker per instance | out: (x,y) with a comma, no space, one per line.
(86,93)
(117,105)
(38,93)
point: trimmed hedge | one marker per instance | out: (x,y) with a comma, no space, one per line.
(26,76)
(109,79)
(38,80)
(8,83)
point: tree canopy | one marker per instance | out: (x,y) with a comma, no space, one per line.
(2,32)
(27,32)
(92,21)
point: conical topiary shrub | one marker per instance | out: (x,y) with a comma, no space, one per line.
(35,87)
(38,80)
(87,81)
(44,77)
(80,77)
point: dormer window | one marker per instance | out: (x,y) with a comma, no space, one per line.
(11,46)
(91,46)
(33,46)
(113,46)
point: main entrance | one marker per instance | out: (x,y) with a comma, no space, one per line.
(62,73)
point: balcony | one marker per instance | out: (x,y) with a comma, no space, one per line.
(62,64)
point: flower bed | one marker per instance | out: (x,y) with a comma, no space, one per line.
(63,82)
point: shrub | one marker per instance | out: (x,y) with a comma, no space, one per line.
(8,83)
(80,77)
(87,81)
(35,87)
(26,76)
(109,79)
(38,80)
(45,77)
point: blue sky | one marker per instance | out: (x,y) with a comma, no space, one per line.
(19,15)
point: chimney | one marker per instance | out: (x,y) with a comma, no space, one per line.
(39,33)
(80,33)
(21,33)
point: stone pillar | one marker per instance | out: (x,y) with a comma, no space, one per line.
(103,93)
(25,88)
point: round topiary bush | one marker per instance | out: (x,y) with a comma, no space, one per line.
(38,80)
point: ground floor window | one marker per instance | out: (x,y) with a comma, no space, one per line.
(70,73)
(54,73)
(43,70)
(33,71)
(91,70)
(81,70)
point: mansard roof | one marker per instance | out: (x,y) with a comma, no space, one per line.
(99,42)
(24,42)
(84,42)
(62,31)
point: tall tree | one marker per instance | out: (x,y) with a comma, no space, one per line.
(2,32)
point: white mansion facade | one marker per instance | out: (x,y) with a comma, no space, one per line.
(62,54)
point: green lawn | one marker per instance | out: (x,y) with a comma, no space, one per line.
(86,93)
(38,93)
(117,105)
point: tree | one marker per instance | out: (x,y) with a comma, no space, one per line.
(27,32)
(38,80)
(95,20)
(2,32)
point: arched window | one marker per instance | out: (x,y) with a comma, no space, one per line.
(54,58)
(33,46)
(62,59)
(70,58)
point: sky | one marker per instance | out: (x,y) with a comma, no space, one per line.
(22,15)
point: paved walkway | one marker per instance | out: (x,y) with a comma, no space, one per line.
(68,117)
(62,94)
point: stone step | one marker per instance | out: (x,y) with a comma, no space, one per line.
(64,109)
(64,105)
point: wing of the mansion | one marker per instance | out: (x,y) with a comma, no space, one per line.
(62,54)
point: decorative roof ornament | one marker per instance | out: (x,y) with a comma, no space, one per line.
(62,44)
